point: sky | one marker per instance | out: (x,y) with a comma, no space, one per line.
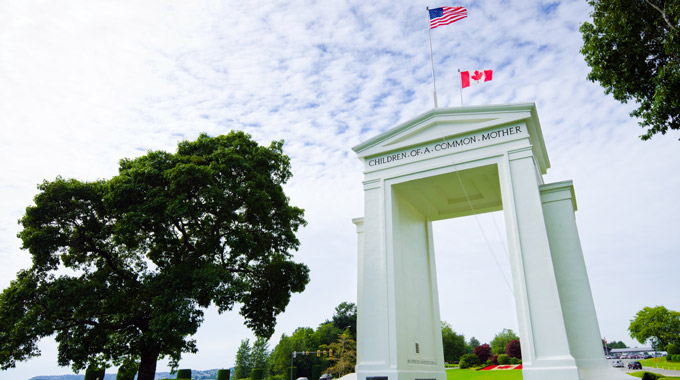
(86,83)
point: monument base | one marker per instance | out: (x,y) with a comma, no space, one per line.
(401,375)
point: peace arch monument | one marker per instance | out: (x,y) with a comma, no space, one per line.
(452,162)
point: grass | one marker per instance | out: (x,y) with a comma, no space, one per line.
(641,373)
(661,363)
(471,374)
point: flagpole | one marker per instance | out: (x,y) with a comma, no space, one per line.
(461,89)
(434,81)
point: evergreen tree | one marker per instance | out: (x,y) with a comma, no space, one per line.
(243,363)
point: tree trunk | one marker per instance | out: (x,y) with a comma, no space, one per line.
(147,365)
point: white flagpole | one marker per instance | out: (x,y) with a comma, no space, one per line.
(461,89)
(434,82)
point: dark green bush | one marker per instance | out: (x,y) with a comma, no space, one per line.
(316,371)
(292,373)
(672,349)
(469,360)
(515,361)
(651,376)
(256,374)
(223,374)
(184,374)
(94,373)
(503,359)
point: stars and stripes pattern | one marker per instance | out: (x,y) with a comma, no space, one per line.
(446,15)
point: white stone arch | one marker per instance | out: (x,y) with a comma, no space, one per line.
(463,161)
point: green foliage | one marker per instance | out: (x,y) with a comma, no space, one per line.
(657,324)
(223,374)
(123,268)
(469,361)
(293,373)
(94,373)
(346,317)
(243,363)
(632,48)
(454,344)
(316,371)
(127,371)
(672,349)
(184,373)
(651,376)
(470,346)
(325,334)
(344,355)
(503,359)
(616,344)
(514,360)
(501,340)
(256,374)
(260,356)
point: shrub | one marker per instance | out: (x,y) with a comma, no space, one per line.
(513,349)
(316,371)
(223,374)
(469,360)
(94,373)
(494,359)
(515,361)
(184,374)
(672,349)
(483,352)
(651,376)
(256,374)
(291,372)
(503,359)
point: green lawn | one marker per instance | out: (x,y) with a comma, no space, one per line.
(661,363)
(641,373)
(465,374)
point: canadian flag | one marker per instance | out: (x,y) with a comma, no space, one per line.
(470,77)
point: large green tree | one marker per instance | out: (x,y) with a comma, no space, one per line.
(454,344)
(501,340)
(657,324)
(633,50)
(123,268)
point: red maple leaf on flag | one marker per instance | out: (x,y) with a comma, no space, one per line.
(477,75)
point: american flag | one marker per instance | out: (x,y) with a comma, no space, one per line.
(446,15)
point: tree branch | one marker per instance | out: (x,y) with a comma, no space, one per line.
(663,14)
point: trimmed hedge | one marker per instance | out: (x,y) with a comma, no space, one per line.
(257,374)
(223,374)
(184,374)
(316,371)
(292,372)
